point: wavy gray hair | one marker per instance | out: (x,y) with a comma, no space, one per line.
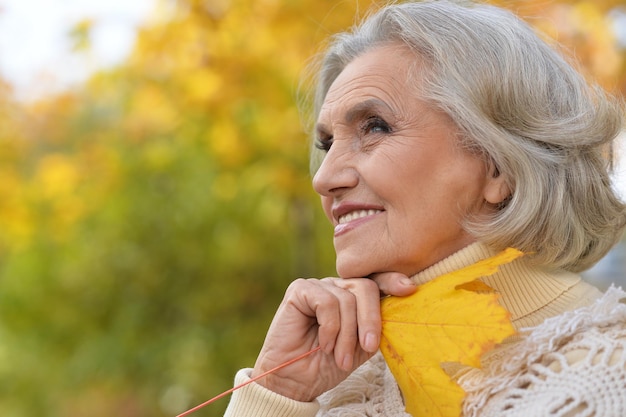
(520,104)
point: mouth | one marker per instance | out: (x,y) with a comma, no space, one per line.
(357,214)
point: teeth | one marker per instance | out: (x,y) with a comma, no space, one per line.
(357,215)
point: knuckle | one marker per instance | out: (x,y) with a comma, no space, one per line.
(330,326)
(370,285)
(348,300)
(296,285)
(330,280)
(362,285)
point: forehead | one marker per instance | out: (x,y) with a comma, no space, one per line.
(388,74)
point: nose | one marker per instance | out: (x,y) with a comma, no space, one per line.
(337,172)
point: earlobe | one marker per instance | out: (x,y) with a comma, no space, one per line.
(497,189)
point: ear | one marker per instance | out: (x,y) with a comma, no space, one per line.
(496,188)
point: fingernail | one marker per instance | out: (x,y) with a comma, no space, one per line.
(347,362)
(407,282)
(371,342)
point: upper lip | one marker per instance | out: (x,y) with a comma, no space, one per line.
(348,207)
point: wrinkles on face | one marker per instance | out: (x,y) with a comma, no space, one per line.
(389,149)
(372,89)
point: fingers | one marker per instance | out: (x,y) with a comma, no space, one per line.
(394,283)
(368,319)
(345,313)
(326,306)
(348,316)
(341,315)
(347,335)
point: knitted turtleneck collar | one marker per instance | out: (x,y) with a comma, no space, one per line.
(530,294)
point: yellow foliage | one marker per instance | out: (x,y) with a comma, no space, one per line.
(152,111)
(57,176)
(224,141)
(56,181)
(80,35)
(203,85)
(16,218)
(444,321)
(65,214)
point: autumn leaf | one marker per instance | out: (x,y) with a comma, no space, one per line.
(445,321)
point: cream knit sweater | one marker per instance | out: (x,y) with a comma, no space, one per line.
(569,359)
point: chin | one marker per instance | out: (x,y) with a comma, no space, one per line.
(346,271)
(353,269)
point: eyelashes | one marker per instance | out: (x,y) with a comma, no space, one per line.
(324,144)
(373,125)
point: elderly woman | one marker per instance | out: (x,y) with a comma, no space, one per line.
(448,132)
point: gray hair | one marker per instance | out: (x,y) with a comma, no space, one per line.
(521,105)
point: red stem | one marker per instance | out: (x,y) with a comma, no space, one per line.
(256,378)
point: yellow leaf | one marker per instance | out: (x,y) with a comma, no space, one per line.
(444,321)
(476,286)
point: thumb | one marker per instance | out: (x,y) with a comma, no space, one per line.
(394,283)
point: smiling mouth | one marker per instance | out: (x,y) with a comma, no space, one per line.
(357,214)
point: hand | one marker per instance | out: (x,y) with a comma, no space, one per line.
(340,315)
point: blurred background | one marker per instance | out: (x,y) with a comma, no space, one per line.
(155,200)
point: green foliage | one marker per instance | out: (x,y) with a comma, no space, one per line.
(154,223)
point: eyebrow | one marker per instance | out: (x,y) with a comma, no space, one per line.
(359,110)
(365,107)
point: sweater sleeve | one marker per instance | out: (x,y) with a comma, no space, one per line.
(254,400)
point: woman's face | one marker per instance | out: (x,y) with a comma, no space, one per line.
(394,182)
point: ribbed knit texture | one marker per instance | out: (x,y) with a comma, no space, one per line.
(254,400)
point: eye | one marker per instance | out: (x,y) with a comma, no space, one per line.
(324,142)
(375,124)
